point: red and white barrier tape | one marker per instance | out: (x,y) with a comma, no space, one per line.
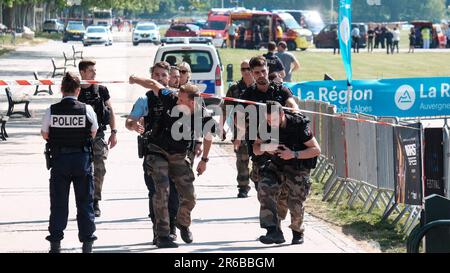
(50,82)
(56,82)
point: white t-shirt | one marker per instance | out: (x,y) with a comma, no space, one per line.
(396,34)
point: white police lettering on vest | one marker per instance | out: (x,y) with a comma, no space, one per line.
(68,121)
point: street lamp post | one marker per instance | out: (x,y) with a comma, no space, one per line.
(332,11)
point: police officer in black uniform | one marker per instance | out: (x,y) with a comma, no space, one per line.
(273,62)
(69,127)
(263,91)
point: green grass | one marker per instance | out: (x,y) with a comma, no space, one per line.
(49,36)
(356,222)
(365,66)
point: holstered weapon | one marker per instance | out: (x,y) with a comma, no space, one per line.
(48,156)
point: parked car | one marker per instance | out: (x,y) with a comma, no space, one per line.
(183,30)
(204,60)
(74,31)
(146,32)
(53,25)
(97,35)
(439,40)
(326,37)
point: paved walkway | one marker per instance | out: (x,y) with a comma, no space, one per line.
(221,222)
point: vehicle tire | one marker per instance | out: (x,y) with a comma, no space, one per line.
(291,45)
(318,45)
(303,49)
(135,43)
(64,41)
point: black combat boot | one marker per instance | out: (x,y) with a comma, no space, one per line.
(173,231)
(273,236)
(97,211)
(297,237)
(55,247)
(154,238)
(165,242)
(185,233)
(87,247)
(243,192)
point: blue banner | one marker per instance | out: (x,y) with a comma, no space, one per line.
(406,97)
(345,42)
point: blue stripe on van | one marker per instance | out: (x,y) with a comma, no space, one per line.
(210,85)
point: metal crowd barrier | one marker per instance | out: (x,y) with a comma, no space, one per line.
(357,161)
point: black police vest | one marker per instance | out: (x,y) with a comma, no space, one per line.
(155,113)
(69,125)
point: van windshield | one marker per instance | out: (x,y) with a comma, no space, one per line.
(200,61)
(289,21)
(314,21)
(215,25)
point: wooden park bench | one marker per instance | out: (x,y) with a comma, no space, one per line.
(38,90)
(69,59)
(77,54)
(3,120)
(56,69)
(13,101)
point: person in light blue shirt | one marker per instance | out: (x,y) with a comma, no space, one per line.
(140,120)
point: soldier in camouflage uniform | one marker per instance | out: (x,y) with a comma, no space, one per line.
(240,145)
(264,90)
(98,97)
(285,173)
(167,157)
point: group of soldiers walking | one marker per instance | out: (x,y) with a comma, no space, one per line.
(167,120)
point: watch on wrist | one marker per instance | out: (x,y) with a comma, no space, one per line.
(296,154)
(205,159)
(114,131)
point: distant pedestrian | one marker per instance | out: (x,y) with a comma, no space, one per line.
(383,35)
(278,32)
(232,34)
(426,35)
(370,37)
(412,40)
(389,41)
(273,62)
(257,36)
(396,33)
(377,31)
(336,46)
(289,61)
(356,35)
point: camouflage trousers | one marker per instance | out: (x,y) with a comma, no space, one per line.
(242,160)
(100,151)
(281,189)
(162,166)
(255,174)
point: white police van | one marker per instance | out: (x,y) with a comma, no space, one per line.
(203,58)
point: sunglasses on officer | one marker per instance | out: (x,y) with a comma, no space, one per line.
(184,71)
(245,69)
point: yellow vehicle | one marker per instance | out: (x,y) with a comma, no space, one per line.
(257,28)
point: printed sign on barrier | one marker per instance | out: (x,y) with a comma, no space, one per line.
(405,97)
(408,165)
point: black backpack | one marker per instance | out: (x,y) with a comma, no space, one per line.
(100,108)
